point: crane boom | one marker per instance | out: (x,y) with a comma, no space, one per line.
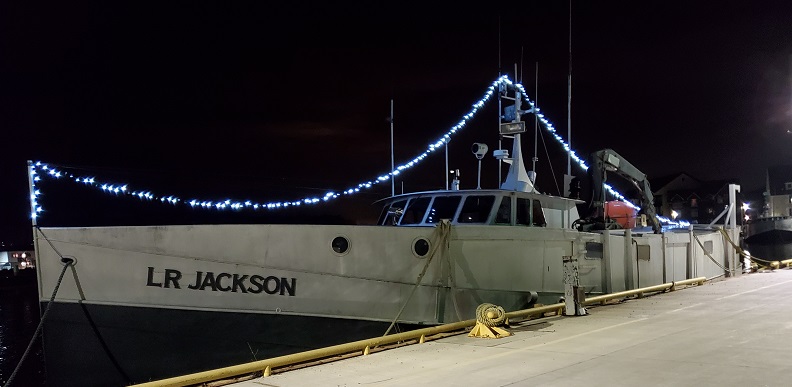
(607,160)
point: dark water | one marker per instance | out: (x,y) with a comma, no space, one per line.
(771,251)
(19,316)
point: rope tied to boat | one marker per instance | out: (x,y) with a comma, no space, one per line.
(756,260)
(439,237)
(724,268)
(67,262)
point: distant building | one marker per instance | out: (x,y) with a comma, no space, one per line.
(691,199)
(16,260)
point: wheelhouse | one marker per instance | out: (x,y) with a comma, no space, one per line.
(477,207)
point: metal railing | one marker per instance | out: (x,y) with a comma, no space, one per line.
(265,366)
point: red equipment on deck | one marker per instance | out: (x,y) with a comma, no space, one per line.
(621,213)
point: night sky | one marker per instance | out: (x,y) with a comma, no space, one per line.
(267,101)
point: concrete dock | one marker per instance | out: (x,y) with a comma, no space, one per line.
(730,332)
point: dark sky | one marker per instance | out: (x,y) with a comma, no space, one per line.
(269,101)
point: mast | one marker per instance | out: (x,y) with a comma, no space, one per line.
(569,96)
(500,138)
(517,179)
(447,171)
(33,212)
(393,177)
(536,120)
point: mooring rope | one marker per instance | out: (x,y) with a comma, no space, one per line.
(451,280)
(484,310)
(758,261)
(731,271)
(67,262)
(84,308)
(441,233)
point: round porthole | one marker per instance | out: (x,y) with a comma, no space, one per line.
(420,247)
(340,245)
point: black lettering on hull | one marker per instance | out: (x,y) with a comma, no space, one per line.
(197,284)
(209,281)
(239,283)
(256,280)
(220,287)
(172,277)
(150,280)
(285,287)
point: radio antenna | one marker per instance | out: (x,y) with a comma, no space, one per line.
(500,138)
(569,96)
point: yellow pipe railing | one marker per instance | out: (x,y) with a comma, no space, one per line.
(265,366)
(650,289)
(302,357)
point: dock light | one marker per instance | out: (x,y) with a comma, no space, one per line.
(674,214)
(746,206)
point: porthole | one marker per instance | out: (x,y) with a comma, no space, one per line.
(421,247)
(340,245)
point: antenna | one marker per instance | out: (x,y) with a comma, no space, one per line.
(500,138)
(569,96)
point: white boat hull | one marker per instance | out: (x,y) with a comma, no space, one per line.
(278,289)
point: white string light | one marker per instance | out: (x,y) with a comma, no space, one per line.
(122,189)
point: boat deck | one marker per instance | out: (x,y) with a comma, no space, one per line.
(736,331)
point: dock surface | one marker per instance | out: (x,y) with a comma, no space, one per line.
(730,332)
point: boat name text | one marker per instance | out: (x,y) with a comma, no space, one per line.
(225,282)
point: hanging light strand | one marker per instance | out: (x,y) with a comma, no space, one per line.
(43,169)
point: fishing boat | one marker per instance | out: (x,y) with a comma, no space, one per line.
(768,231)
(140,303)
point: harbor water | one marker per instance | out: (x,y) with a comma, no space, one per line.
(770,251)
(19,316)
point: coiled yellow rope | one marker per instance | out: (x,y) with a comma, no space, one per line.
(490,315)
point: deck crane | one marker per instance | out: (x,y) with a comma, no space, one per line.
(607,160)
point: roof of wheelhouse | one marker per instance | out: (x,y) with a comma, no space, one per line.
(548,201)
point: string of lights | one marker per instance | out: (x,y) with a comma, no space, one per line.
(581,163)
(39,169)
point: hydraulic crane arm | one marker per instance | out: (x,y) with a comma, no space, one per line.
(607,160)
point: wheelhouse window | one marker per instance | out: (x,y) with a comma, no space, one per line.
(391,215)
(415,211)
(529,212)
(503,216)
(476,209)
(443,207)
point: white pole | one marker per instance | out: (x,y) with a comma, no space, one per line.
(33,217)
(536,120)
(393,178)
(446,167)
(500,138)
(569,98)
(32,195)
(478,184)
